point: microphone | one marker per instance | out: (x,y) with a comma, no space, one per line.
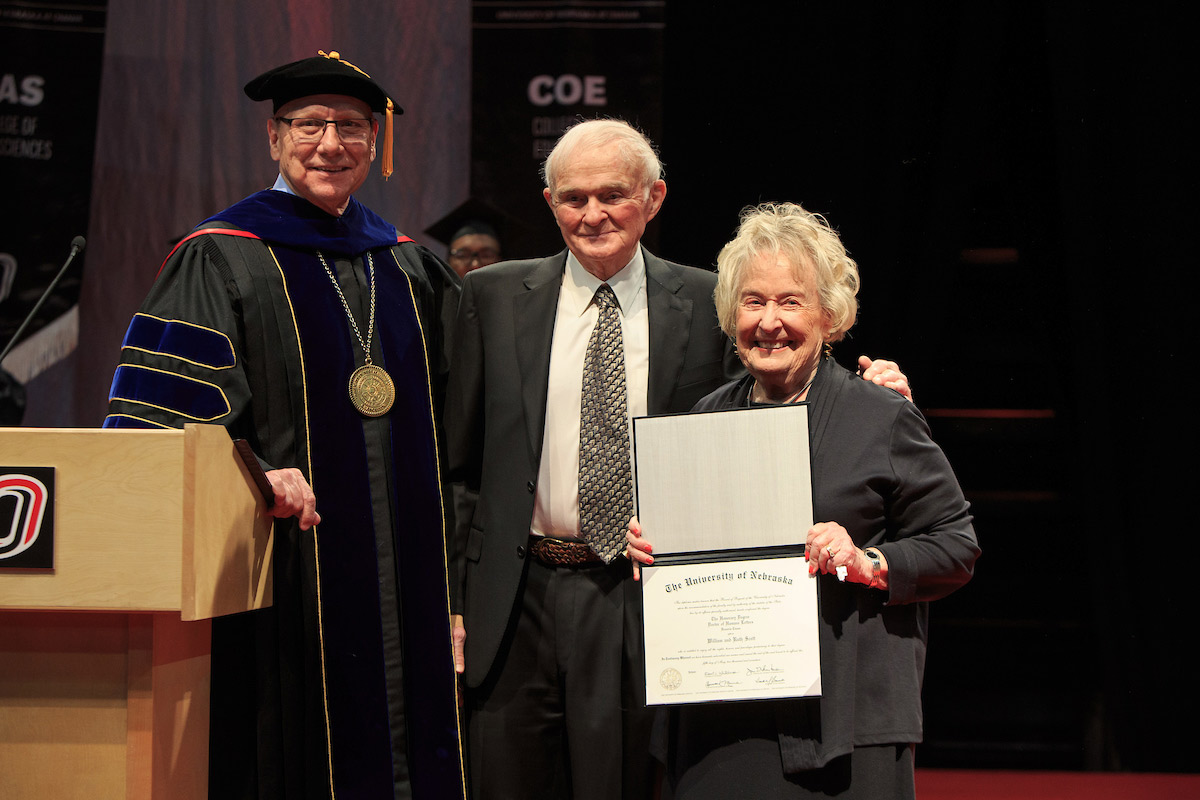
(77,245)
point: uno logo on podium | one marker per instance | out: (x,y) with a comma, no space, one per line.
(27,517)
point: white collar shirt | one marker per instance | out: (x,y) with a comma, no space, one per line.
(556,509)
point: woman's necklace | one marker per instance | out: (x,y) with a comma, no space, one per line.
(371,389)
(792,398)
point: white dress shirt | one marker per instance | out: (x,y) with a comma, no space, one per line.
(556,510)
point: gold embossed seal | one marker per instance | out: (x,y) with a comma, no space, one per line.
(372,391)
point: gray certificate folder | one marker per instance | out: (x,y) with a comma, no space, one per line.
(724,484)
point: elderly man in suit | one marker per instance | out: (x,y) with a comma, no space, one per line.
(552,621)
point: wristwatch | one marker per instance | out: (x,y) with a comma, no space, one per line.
(876,566)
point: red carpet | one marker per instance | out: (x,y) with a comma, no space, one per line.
(955,784)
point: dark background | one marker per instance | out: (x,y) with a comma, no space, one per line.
(1015,183)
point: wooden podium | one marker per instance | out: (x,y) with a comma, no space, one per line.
(104,660)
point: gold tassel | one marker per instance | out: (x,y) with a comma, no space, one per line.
(386,168)
(386,162)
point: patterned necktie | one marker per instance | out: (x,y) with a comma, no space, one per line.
(605,477)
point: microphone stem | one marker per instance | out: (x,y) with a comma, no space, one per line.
(76,246)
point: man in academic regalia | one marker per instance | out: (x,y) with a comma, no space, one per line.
(307,325)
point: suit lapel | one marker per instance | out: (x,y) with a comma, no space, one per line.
(670,321)
(534,308)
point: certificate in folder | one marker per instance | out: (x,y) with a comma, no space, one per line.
(730,609)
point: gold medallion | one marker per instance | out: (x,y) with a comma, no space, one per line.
(372,391)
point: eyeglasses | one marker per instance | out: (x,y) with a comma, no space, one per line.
(306,130)
(484,256)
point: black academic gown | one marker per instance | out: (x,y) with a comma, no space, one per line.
(345,687)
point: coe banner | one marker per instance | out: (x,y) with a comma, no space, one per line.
(49,97)
(539,66)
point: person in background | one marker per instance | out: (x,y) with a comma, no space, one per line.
(473,234)
(476,244)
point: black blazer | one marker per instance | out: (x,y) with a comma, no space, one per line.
(496,410)
(877,472)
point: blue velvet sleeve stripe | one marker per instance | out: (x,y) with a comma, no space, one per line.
(176,394)
(183,340)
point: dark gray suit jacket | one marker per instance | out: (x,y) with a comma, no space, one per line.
(496,410)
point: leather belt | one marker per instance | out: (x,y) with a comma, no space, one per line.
(562,553)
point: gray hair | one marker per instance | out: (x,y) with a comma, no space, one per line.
(803,237)
(636,151)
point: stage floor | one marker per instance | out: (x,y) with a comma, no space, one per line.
(965,784)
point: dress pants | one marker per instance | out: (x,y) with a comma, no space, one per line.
(548,721)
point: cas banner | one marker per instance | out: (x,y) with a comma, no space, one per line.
(49,97)
(539,66)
